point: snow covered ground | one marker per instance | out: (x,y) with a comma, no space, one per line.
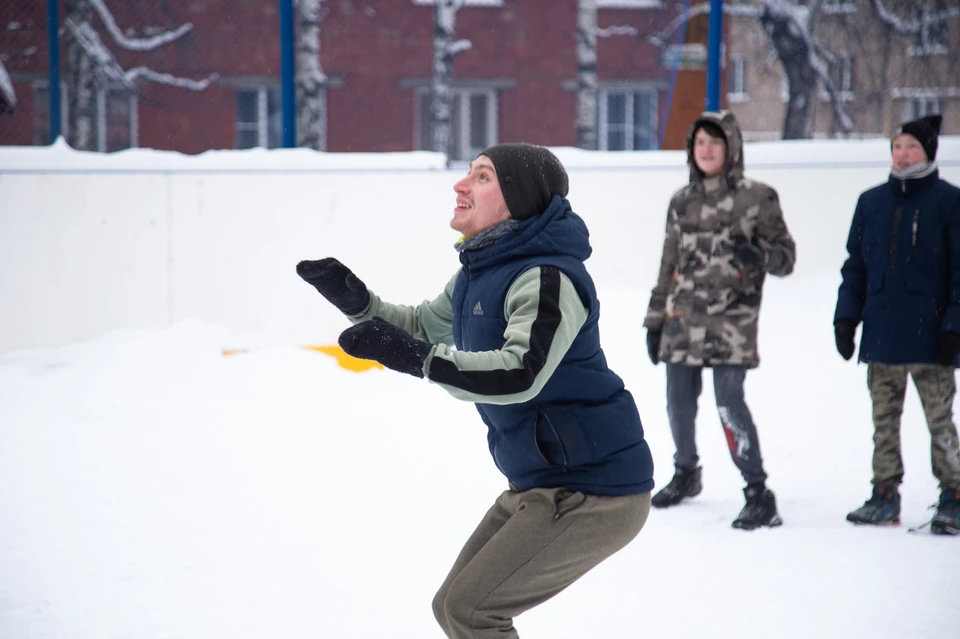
(153,488)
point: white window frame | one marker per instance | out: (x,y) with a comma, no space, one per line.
(737,90)
(463,149)
(134,123)
(845,87)
(262,126)
(630,93)
(915,108)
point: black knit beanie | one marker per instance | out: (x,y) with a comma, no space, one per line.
(529,177)
(926,130)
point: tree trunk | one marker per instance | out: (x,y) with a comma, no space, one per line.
(441,93)
(311,82)
(586,37)
(794,54)
(81,82)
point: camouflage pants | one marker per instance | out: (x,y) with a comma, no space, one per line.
(937,388)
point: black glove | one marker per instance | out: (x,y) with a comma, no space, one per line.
(390,345)
(844,330)
(750,257)
(653,346)
(949,348)
(337,283)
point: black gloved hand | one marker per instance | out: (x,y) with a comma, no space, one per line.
(948,348)
(337,283)
(750,257)
(390,345)
(653,346)
(844,330)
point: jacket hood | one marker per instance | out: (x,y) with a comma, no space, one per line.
(733,137)
(557,231)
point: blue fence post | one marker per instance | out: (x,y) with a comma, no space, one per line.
(714,40)
(53,44)
(288,96)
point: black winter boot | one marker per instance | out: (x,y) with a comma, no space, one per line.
(883,507)
(760,510)
(947,519)
(685,483)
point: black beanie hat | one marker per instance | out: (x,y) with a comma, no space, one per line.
(529,177)
(926,130)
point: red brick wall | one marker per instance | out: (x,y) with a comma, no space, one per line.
(369,45)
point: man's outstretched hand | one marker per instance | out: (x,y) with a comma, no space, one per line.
(379,340)
(337,283)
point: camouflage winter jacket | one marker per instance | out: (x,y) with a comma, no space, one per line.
(705,305)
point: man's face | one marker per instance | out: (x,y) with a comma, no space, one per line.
(907,151)
(480,202)
(709,153)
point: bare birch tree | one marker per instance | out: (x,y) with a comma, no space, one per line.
(441,91)
(91,66)
(587,83)
(789,26)
(311,81)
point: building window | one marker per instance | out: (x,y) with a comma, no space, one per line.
(259,121)
(473,122)
(737,80)
(115,123)
(116,119)
(919,107)
(41,112)
(839,6)
(931,39)
(628,120)
(841,74)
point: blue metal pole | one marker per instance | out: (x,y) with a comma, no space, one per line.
(714,39)
(287,88)
(53,42)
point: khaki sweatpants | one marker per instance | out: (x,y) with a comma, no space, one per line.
(937,388)
(530,546)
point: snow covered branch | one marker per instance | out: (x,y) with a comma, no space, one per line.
(110,70)
(913,27)
(147,73)
(8,98)
(136,44)
(606,32)
(660,39)
(458,46)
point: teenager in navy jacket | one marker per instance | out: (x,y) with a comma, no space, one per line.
(902,282)
(522,313)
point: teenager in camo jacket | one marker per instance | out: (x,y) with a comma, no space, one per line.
(523,313)
(724,233)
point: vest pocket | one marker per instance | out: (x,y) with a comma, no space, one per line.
(559,438)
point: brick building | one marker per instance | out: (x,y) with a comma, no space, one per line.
(884,77)
(516,82)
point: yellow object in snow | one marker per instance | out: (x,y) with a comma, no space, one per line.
(348,362)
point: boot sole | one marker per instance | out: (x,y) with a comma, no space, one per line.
(773,523)
(860,522)
(940,529)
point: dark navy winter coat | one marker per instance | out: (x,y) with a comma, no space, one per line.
(582,431)
(902,276)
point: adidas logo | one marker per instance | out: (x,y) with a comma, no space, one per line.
(478,310)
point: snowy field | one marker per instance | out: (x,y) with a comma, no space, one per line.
(153,488)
